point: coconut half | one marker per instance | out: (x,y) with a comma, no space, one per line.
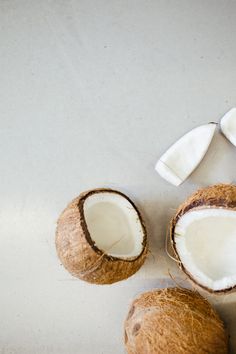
(181,159)
(203,235)
(101,237)
(228,125)
(176,321)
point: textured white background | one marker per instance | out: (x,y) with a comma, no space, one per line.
(91,93)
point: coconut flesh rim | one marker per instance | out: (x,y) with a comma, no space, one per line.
(181,159)
(114,224)
(228,125)
(205,241)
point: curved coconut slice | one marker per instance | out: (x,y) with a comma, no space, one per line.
(228,125)
(101,237)
(176,321)
(181,159)
(203,234)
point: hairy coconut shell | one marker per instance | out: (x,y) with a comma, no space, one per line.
(217,196)
(78,252)
(174,320)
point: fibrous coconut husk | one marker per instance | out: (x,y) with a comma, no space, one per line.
(80,255)
(174,321)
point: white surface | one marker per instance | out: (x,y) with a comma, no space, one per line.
(91,94)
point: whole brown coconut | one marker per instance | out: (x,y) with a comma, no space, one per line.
(219,200)
(89,259)
(174,321)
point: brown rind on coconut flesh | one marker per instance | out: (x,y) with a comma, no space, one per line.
(78,252)
(174,320)
(217,196)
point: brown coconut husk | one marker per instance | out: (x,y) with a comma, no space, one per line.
(80,255)
(174,321)
(216,196)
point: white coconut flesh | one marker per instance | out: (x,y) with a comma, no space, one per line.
(181,159)
(228,125)
(114,224)
(206,244)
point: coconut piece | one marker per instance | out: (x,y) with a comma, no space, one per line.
(100,237)
(228,126)
(181,159)
(203,235)
(176,321)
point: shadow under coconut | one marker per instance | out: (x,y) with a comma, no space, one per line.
(226,307)
(157,215)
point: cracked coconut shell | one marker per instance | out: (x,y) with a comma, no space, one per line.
(79,253)
(222,198)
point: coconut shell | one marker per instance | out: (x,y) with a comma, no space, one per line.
(79,254)
(217,196)
(174,320)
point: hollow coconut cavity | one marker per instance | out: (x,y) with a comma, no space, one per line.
(204,237)
(173,320)
(113,224)
(101,237)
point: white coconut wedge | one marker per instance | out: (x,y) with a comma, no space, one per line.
(174,321)
(181,159)
(228,126)
(203,235)
(100,237)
